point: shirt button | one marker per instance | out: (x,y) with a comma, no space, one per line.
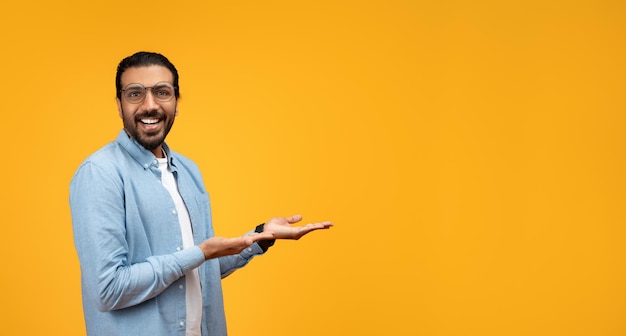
(173,212)
(180,286)
(249,249)
(182,323)
(178,249)
(146,165)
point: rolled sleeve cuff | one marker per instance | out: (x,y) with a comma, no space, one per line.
(189,258)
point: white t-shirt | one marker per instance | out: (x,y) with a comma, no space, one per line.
(193,295)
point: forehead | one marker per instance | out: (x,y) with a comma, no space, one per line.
(146,75)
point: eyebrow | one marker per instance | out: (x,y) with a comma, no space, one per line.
(156,86)
(134,86)
(160,85)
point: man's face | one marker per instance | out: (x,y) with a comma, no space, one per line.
(148,121)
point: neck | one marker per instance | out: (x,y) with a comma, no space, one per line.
(159,152)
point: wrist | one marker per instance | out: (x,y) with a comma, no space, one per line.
(264,244)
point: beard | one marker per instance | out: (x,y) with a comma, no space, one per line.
(150,140)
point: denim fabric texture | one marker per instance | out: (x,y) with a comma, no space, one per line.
(129,244)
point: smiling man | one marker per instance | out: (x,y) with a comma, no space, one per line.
(148,121)
(150,264)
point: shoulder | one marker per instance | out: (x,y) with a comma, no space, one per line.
(107,156)
(107,161)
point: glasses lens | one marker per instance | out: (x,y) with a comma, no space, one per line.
(163,92)
(135,94)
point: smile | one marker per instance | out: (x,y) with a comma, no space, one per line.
(149,121)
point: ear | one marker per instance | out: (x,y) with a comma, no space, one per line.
(176,110)
(119,107)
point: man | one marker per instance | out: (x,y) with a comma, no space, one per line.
(141,216)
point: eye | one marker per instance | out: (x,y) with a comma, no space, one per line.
(134,93)
(163,93)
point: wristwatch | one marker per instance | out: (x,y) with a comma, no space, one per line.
(264,244)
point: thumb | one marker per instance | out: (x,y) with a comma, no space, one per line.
(294,219)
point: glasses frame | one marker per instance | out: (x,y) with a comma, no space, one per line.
(139,87)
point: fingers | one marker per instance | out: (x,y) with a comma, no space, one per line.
(219,246)
(237,245)
(254,237)
(306,229)
(294,219)
(320,225)
(325,224)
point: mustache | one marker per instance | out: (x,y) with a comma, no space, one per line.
(150,114)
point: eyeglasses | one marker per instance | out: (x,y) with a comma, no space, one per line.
(136,93)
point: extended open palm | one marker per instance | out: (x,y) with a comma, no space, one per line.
(282,227)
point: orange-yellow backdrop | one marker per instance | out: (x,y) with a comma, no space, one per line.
(471,154)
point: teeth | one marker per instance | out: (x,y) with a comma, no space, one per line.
(149,121)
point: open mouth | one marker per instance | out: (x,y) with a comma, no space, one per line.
(150,125)
(148,121)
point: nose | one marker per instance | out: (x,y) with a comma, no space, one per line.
(149,103)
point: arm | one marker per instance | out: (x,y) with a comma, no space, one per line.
(279,228)
(118,269)
(229,264)
(110,279)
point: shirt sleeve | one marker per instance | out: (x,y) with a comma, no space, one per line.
(98,218)
(231,263)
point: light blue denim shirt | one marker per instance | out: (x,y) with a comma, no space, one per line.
(129,244)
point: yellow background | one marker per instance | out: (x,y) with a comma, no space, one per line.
(470,154)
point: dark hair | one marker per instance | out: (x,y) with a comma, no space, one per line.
(140,59)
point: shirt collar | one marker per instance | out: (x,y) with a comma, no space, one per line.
(170,157)
(143,156)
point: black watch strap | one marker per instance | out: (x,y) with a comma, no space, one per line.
(264,244)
